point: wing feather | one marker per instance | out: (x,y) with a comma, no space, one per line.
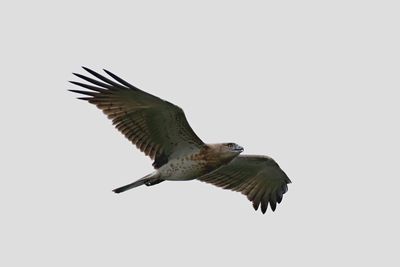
(155,126)
(258,177)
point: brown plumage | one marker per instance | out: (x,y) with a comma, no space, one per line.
(160,130)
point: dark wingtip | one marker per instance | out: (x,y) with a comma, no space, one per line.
(109,73)
(117,191)
(85,98)
(75,91)
(264,206)
(90,71)
(120,80)
(79,92)
(272,205)
(255,206)
(76,83)
(78,75)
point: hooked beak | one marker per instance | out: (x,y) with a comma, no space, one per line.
(239,149)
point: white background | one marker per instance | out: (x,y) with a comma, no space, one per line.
(314,84)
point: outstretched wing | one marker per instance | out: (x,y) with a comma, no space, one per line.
(258,177)
(158,128)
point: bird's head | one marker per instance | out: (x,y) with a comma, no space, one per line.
(231,148)
(222,153)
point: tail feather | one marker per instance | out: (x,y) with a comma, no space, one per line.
(147,180)
(129,186)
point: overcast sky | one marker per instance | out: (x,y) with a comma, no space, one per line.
(313,84)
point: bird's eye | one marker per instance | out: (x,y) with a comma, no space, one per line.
(230,144)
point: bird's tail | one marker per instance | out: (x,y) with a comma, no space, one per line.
(148,180)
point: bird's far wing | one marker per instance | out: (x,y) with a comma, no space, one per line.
(258,177)
(155,126)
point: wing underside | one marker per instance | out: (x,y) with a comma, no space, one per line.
(155,126)
(258,177)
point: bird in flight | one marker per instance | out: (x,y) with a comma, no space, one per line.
(160,130)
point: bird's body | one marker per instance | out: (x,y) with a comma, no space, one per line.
(184,167)
(161,131)
(194,164)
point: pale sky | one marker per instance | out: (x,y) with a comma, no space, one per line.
(313,84)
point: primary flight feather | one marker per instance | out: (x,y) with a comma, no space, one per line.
(160,130)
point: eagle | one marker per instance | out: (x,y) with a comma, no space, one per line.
(160,130)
